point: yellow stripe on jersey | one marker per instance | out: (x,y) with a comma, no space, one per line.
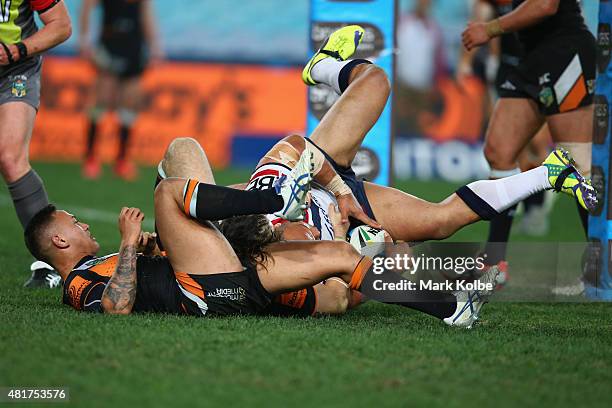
(10,32)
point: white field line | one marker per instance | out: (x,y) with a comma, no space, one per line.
(84,214)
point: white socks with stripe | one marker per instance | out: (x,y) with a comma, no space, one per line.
(327,71)
(503,193)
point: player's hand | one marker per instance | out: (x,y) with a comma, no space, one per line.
(4,60)
(349,207)
(340,227)
(86,50)
(147,243)
(130,225)
(475,35)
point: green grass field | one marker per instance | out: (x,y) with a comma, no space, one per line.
(520,355)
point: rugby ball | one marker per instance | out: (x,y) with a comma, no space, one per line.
(367,240)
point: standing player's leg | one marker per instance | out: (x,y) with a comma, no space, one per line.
(127,110)
(105,95)
(25,186)
(514,122)
(573,131)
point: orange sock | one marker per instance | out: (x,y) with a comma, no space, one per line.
(360,272)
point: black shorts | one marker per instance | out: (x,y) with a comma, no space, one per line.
(222,294)
(123,62)
(301,303)
(559,75)
(350,178)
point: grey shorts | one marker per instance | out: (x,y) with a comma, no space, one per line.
(22,84)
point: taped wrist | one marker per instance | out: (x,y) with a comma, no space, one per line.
(494,28)
(338,187)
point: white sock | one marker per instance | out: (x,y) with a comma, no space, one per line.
(327,71)
(503,193)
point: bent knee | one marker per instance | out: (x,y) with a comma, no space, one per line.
(379,76)
(13,164)
(181,146)
(499,158)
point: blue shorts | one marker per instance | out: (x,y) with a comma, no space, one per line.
(350,178)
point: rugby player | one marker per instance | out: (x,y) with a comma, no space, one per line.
(188,280)
(128,43)
(335,141)
(20,65)
(553,83)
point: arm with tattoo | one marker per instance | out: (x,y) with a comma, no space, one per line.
(120,292)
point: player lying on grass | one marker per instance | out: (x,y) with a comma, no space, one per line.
(364,91)
(201,274)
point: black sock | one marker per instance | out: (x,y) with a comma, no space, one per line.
(499,233)
(535,200)
(345,73)
(213,203)
(29,196)
(433,303)
(584,219)
(91,138)
(124,138)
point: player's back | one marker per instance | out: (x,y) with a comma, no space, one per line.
(156,289)
(567,21)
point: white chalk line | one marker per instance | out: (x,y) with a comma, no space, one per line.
(84,213)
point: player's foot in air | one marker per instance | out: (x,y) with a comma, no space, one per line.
(564,177)
(43,276)
(125,169)
(340,45)
(294,188)
(92,169)
(470,302)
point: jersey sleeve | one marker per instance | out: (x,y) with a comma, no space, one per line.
(42,5)
(93,299)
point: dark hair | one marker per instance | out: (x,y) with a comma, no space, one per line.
(249,235)
(35,231)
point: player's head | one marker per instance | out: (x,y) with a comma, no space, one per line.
(249,235)
(53,233)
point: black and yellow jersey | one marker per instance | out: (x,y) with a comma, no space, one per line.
(156,290)
(17,22)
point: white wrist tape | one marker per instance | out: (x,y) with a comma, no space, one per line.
(338,187)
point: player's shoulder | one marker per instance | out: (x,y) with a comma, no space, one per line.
(84,285)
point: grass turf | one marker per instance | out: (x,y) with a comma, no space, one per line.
(527,354)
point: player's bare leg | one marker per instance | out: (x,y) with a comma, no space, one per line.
(25,186)
(343,128)
(573,131)
(185,158)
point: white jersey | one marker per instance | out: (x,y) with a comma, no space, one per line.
(266,175)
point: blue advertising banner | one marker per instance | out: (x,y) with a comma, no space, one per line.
(378,18)
(600,223)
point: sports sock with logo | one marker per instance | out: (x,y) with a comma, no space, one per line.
(335,73)
(209,202)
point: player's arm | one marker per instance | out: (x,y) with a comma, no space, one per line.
(150,30)
(482,11)
(120,292)
(526,15)
(288,151)
(85,48)
(57,29)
